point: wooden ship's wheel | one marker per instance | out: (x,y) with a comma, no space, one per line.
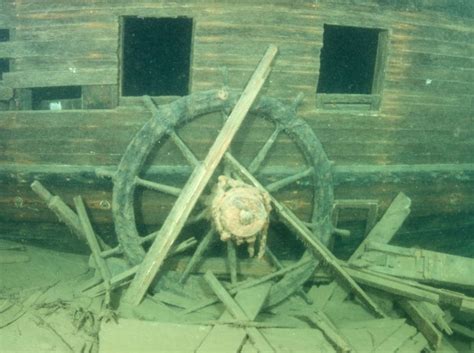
(236,212)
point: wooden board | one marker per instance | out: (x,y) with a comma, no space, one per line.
(145,336)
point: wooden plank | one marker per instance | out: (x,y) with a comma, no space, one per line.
(400,288)
(420,265)
(130,335)
(372,334)
(238,312)
(412,290)
(396,340)
(72,47)
(462,330)
(415,344)
(250,300)
(323,323)
(69,77)
(422,322)
(196,184)
(357,174)
(102,266)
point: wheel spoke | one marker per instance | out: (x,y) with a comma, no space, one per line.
(279,184)
(198,254)
(262,154)
(199,217)
(167,189)
(185,150)
(232,261)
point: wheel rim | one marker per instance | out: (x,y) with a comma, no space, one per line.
(169,116)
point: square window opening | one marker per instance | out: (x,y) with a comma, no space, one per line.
(56,98)
(350,60)
(156,56)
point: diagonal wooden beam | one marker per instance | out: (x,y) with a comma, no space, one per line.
(197,182)
(313,243)
(246,312)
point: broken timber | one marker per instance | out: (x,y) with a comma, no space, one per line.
(411,289)
(102,267)
(419,265)
(192,190)
(382,232)
(320,251)
(422,322)
(330,331)
(238,313)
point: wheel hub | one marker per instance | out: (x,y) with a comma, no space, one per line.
(240,213)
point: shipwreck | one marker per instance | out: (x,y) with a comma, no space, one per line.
(247,176)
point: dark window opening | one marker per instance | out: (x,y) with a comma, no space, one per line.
(156,56)
(348,60)
(56,98)
(4,63)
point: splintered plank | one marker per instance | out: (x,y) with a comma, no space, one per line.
(196,184)
(423,322)
(419,265)
(222,338)
(323,323)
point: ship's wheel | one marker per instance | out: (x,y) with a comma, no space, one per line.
(233,210)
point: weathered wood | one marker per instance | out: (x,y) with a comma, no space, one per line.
(419,265)
(198,254)
(356,174)
(415,344)
(423,323)
(310,240)
(124,277)
(390,223)
(246,284)
(250,301)
(102,266)
(277,263)
(382,232)
(462,330)
(323,323)
(293,281)
(197,182)
(397,339)
(232,261)
(59,207)
(18,49)
(61,78)
(129,335)
(238,312)
(412,290)
(63,211)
